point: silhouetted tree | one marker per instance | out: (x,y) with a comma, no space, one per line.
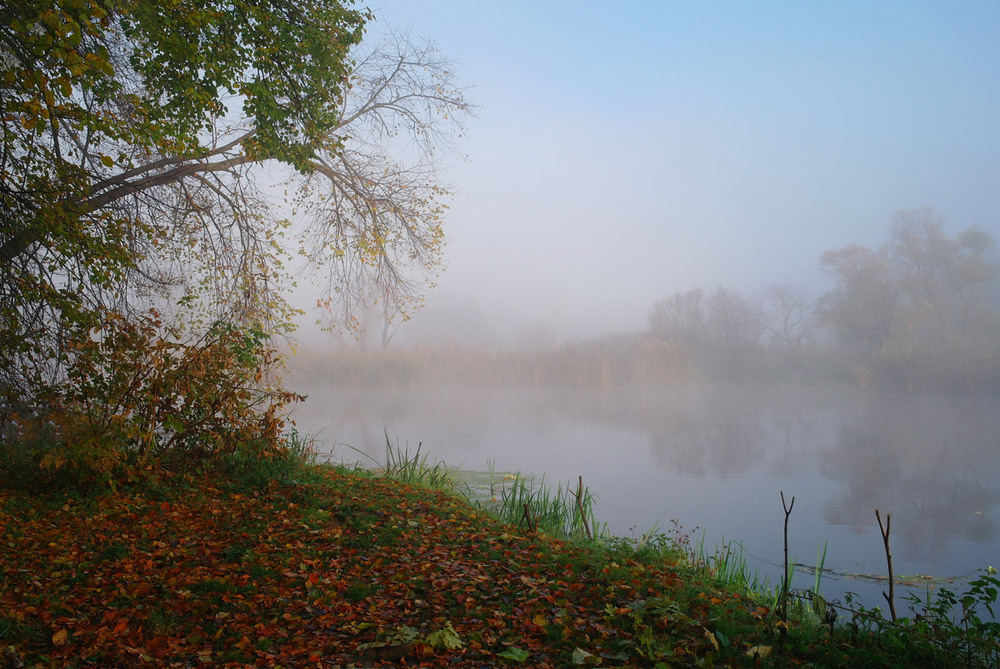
(733,321)
(919,304)
(718,330)
(789,317)
(680,318)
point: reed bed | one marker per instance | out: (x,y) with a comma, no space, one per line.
(617,361)
(534,504)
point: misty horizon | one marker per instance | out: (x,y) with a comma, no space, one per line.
(621,155)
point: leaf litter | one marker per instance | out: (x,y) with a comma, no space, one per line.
(347,570)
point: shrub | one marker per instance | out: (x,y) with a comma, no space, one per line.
(135,398)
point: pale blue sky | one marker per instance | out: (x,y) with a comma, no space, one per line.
(623,151)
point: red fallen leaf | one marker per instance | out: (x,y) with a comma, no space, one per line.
(325,624)
(157,644)
(142,589)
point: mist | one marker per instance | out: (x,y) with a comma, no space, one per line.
(708,247)
(621,155)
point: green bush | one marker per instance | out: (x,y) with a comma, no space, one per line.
(136,399)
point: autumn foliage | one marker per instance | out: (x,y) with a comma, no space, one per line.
(140,146)
(136,400)
(345,570)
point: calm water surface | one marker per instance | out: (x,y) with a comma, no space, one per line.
(716,459)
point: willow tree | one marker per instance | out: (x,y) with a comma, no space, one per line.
(142,142)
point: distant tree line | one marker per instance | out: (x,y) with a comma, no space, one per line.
(918,313)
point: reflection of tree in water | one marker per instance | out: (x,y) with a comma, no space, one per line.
(725,432)
(699,444)
(931,462)
(701,430)
(361,419)
(796,431)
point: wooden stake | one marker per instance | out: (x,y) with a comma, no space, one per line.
(786,580)
(526,516)
(579,505)
(891,597)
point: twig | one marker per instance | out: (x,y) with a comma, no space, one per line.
(891,597)
(785,579)
(579,505)
(526,516)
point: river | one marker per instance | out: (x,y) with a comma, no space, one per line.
(714,460)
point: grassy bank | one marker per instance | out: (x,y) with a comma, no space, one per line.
(330,567)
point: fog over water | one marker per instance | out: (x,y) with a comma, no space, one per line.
(717,459)
(624,152)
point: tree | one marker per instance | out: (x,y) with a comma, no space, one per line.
(132,139)
(733,321)
(718,330)
(680,318)
(723,320)
(921,289)
(919,303)
(942,279)
(789,318)
(863,306)
(138,143)
(379,217)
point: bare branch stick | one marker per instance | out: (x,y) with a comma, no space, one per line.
(891,597)
(579,505)
(785,582)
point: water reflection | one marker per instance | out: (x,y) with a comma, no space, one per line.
(932,462)
(718,433)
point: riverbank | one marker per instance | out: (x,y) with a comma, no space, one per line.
(335,567)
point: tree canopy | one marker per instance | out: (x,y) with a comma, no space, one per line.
(142,145)
(918,312)
(922,291)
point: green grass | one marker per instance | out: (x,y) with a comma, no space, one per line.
(413,468)
(657,600)
(116,550)
(358,592)
(532,504)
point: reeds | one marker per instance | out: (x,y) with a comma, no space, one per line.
(413,468)
(624,360)
(562,512)
(728,565)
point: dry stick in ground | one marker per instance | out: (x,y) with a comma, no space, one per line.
(891,598)
(786,578)
(526,516)
(579,505)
